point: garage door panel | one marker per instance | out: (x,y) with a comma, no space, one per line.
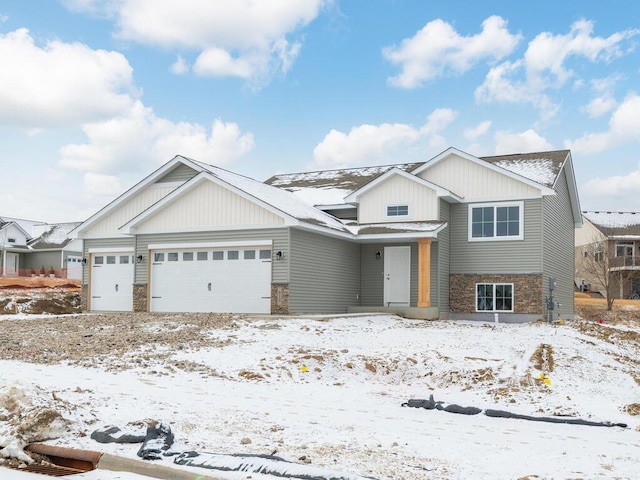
(112,282)
(236,280)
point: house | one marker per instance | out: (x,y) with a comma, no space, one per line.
(29,247)
(607,251)
(457,236)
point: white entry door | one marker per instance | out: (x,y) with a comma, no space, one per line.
(230,279)
(12,264)
(397,276)
(112,282)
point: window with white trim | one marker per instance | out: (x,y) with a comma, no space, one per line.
(397,210)
(624,249)
(494,297)
(499,221)
(598,251)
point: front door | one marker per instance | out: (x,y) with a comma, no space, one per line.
(397,276)
(12,264)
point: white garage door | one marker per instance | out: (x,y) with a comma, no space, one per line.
(112,282)
(74,267)
(236,280)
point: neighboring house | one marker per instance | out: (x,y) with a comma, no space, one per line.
(28,247)
(609,243)
(455,237)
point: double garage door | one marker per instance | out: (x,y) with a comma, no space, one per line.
(233,279)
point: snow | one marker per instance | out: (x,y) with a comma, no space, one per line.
(540,170)
(613,219)
(400,226)
(330,390)
(57,234)
(321,195)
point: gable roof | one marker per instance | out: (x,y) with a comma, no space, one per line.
(8,222)
(615,224)
(441,192)
(330,187)
(278,201)
(541,167)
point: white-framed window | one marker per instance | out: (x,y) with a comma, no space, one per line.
(397,210)
(624,249)
(158,257)
(598,251)
(585,251)
(494,297)
(11,240)
(496,221)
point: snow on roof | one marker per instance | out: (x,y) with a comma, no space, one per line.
(540,167)
(56,236)
(399,227)
(615,223)
(325,187)
(280,199)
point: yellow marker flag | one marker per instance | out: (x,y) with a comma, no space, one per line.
(304,368)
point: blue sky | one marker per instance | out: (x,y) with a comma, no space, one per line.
(95,95)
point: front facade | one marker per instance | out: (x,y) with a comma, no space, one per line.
(455,237)
(607,254)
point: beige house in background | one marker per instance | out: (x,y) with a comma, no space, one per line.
(610,240)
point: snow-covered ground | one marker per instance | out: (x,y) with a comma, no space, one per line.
(328,392)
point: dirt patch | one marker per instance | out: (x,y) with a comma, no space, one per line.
(37,282)
(542,358)
(632,409)
(40,302)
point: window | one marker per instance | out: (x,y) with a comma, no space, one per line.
(98,260)
(202,256)
(124,259)
(187,256)
(398,211)
(585,251)
(218,255)
(249,254)
(233,255)
(598,251)
(494,297)
(158,257)
(111,259)
(624,249)
(265,254)
(11,240)
(503,221)
(172,256)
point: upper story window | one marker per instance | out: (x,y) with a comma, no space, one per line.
(624,249)
(598,251)
(499,221)
(11,240)
(398,211)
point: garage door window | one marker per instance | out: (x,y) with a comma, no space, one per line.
(98,260)
(265,254)
(233,255)
(124,259)
(203,256)
(187,256)
(111,259)
(172,256)
(158,257)
(217,255)
(249,254)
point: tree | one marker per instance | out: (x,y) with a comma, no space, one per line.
(598,267)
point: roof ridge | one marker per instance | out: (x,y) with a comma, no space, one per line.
(390,165)
(525,153)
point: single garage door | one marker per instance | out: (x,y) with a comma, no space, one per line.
(112,282)
(235,280)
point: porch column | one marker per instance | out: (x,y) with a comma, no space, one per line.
(424,272)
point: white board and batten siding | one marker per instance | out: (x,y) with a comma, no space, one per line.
(472,181)
(398,190)
(133,206)
(208,205)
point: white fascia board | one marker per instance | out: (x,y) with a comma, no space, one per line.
(196,245)
(336,206)
(398,236)
(111,250)
(510,198)
(326,230)
(101,236)
(567,168)
(454,151)
(204,175)
(440,192)
(149,180)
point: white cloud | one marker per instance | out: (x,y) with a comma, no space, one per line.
(243,39)
(3,18)
(617,192)
(438,48)
(599,106)
(180,66)
(624,127)
(543,66)
(60,83)
(527,141)
(98,184)
(128,143)
(476,132)
(384,143)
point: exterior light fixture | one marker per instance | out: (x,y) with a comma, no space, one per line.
(139,258)
(279,255)
(378,255)
(84,261)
